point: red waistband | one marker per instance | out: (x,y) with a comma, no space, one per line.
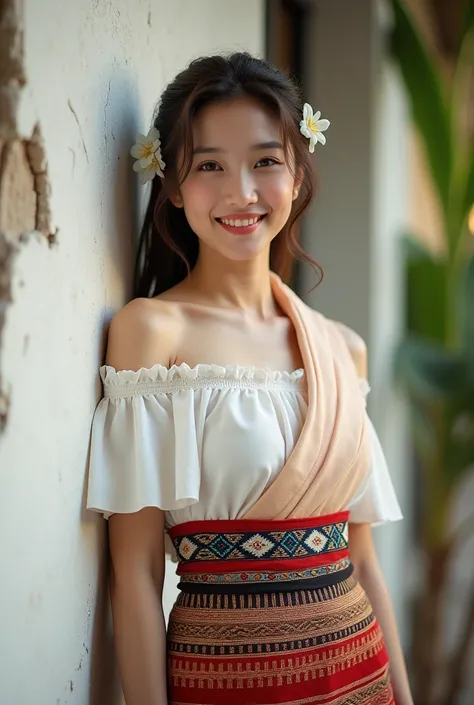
(247,525)
(223,546)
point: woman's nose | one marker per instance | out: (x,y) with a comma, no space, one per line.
(241,190)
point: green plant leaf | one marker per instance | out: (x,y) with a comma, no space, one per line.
(427,282)
(462,177)
(469,195)
(426,97)
(468,21)
(429,372)
(468,318)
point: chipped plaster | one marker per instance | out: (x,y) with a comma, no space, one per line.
(12,78)
(24,184)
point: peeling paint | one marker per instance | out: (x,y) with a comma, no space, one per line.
(24,209)
(12,76)
(38,164)
(24,183)
(12,79)
(17,191)
(24,188)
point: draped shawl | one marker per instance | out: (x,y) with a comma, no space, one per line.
(332,455)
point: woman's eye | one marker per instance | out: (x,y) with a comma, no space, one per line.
(208,166)
(267,161)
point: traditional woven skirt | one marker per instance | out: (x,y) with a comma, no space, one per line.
(270,613)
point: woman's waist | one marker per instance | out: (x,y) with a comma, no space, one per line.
(262,554)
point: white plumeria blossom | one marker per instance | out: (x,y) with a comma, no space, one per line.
(312,126)
(147,152)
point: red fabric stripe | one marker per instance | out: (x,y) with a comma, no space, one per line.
(260,564)
(250,525)
(326,688)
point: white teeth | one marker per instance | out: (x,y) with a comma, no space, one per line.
(241,223)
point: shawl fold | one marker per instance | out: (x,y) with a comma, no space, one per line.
(332,455)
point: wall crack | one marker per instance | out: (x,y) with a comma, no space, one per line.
(80,129)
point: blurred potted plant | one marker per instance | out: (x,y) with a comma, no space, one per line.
(435,361)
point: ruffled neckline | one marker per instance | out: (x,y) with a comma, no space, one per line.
(159,373)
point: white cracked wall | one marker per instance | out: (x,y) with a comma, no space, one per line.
(95,69)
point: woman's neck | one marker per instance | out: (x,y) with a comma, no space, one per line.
(238,285)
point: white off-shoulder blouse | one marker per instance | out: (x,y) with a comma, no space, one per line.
(205,443)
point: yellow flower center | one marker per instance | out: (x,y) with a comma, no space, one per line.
(154,162)
(312,125)
(147,150)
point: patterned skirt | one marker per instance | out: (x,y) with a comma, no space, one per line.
(270,613)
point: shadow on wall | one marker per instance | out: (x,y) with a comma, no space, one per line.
(104,687)
(118,122)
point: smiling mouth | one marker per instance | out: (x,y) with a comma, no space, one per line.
(241,223)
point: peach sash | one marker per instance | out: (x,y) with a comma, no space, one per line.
(332,455)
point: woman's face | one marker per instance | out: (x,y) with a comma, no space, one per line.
(239,192)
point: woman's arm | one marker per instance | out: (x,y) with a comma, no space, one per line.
(138,560)
(140,335)
(369,575)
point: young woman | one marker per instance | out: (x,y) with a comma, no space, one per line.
(234,419)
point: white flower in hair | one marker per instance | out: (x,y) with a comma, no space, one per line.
(312,127)
(154,167)
(147,152)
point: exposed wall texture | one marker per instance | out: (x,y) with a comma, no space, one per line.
(77,81)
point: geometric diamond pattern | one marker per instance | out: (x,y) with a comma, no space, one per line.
(252,545)
(258,545)
(290,543)
(186,548)
(336,534)
(221,546)
(317,541)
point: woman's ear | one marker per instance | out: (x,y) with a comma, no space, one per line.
(177,200)
(297,185)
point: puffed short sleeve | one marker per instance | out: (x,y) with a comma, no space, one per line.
(376,501)
(144,444)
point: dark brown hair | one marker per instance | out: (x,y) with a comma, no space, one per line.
(168,247)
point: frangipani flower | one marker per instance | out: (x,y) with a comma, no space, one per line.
(312,127)
(154,167)
(147,152)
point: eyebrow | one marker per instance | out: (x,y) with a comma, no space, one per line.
(272,144)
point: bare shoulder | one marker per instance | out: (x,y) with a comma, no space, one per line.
(356,346)
(144,333)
